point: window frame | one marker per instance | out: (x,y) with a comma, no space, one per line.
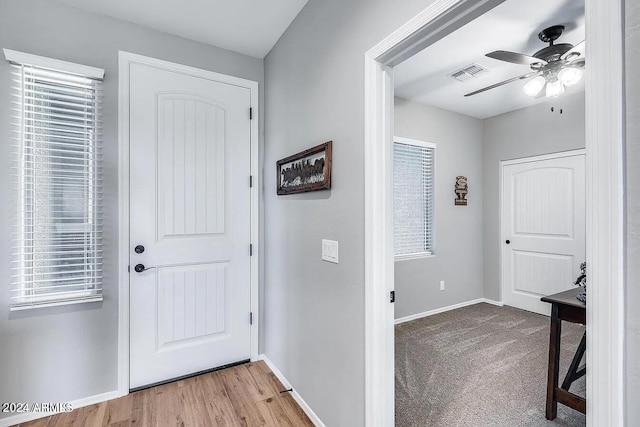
(22,286)
(432,146)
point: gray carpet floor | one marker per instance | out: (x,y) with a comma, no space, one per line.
(480,366)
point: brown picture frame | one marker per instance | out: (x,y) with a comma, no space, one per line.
(300,172)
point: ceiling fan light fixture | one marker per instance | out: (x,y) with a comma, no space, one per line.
(534,86)
(554,89)
(570,76)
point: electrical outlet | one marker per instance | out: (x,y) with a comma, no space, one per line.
(442,285)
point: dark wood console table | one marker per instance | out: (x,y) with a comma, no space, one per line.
(564,306)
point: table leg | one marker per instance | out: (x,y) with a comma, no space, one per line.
(554,363)
(573,373)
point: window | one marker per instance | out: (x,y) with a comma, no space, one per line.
(413,198)
(57,240)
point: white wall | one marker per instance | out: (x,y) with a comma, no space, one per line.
(66,353)
(632,29)
(458,229)
(314,325)
(522,133)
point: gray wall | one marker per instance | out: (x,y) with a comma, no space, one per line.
(472,234)
(522,133)
(633,213)
(314,77)
(458,229)
(65,353)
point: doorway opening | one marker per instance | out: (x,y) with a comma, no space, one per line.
(604,208)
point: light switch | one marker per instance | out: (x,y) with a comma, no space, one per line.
(330,250)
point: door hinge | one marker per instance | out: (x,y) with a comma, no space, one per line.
(250,249)
(251,318)
(251,181)
(392,296)
(250,113)
(128,269)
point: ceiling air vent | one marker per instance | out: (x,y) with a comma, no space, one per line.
(467,72)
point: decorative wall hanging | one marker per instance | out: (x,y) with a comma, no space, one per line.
(461,189)
(582,281)
(309,170)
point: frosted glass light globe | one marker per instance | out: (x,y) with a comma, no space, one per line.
(570,76)
(534,86)
(554,89)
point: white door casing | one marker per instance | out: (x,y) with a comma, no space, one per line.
(543,219)
(191,207)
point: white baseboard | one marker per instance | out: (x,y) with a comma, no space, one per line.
(448,308)
(492,302)
(75,404)
(305,407)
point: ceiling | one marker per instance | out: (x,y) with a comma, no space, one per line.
(251,27)
(514,26)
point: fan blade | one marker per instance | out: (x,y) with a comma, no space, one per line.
(513,79)
(515,58)
(579,49)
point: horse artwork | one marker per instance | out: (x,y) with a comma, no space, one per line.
(309,170)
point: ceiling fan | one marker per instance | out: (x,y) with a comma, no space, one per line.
(555,66)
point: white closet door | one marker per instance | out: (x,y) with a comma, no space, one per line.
(543,228)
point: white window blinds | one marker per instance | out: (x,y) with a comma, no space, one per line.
(413,197)
(57,239)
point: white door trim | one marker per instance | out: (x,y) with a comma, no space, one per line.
(125,60)
(541,157)
(605,137)
(605,209)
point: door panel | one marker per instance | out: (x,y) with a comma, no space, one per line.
(191,304)
(537,273)
(191,133)
(543,218)
(190,208)
(554,216)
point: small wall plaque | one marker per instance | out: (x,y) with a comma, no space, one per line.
(461,189)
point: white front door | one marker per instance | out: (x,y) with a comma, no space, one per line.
(190,209)
(543,228)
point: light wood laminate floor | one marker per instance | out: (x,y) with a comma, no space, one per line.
(245,395)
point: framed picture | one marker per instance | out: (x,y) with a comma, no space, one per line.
(309,170)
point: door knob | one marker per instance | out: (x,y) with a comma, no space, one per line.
(139,249)
(508,241)
(139,268)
